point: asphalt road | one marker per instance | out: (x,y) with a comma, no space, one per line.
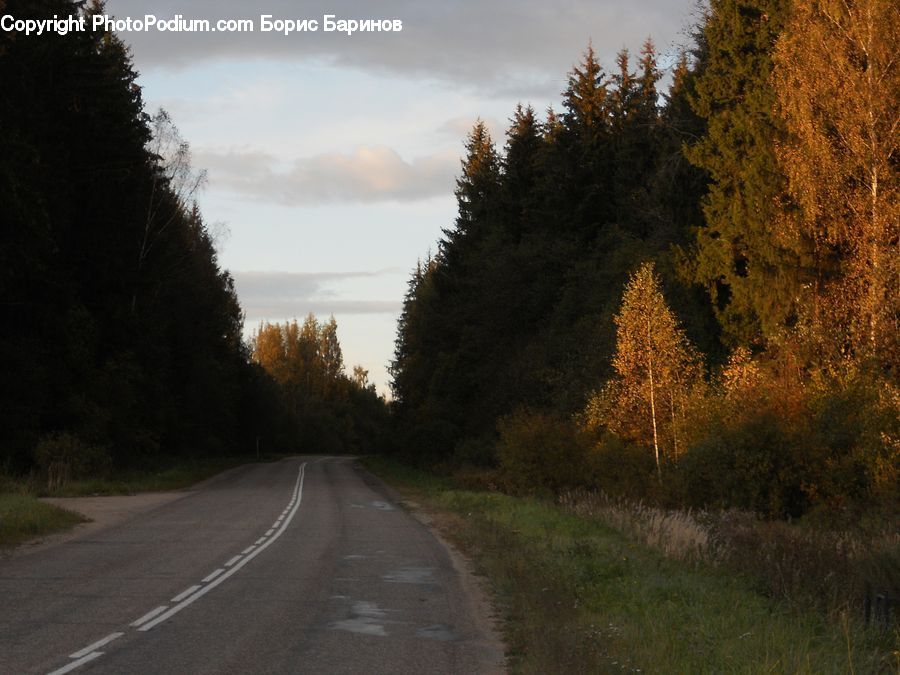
(300,566)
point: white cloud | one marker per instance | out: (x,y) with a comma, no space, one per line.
(460,126)
(368,174)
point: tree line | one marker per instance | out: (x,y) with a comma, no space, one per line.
(121,335)
(690,295)
(333,412)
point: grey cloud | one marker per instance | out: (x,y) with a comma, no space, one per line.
(281,295)
(280,311)
(476,42)
(369,174)
(266,284)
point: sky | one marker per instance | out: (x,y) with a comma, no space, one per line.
(331,159)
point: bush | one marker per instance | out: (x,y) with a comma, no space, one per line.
(476,452)
(754,464)
(623,469)
(429,442)
(62,457)
(541,452)
(785,452)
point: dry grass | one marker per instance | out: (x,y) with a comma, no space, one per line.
(677,534)
(576,596)
(833,571)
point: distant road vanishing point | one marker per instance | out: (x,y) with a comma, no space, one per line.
(300,566)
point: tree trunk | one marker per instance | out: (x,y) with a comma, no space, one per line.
(674,425)
(653,403)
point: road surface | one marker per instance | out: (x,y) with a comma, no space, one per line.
(299,566)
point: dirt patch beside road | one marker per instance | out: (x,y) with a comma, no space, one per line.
(103,512)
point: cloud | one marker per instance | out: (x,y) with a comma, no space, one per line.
(459,127)
(285,310)
(476,42)
(282,295)
(368,174)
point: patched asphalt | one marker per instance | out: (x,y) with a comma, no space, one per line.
(302,566)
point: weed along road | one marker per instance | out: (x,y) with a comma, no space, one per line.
(299,566)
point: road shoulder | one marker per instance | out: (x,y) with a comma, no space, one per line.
(101,512)
(474,587)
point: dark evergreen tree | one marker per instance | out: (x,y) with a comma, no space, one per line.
(118,327)
(751,278)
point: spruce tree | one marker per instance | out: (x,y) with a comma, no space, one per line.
(752,279)
(584,185)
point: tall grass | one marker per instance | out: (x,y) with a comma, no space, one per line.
(830,570)
(677,534)
(580,594)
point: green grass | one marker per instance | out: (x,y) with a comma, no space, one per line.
(23,516)
(578,596)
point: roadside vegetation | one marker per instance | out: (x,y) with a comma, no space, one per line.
(122,340)
(677,314)
(164,477)
(23,516)
(581,586)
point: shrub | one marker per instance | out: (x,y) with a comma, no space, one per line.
(542,452)
(755,464)
(476,452)
(64,456)
(622,469)
(429,442)
(783,451)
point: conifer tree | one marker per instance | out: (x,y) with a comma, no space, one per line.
(477,186)
(521,167)
(646,94)
(584,185)
(623,95)
(586,100)
(751,278)
(636,140)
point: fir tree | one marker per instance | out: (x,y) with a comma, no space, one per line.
(751,278)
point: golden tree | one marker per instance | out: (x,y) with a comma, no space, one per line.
(838,88)
(656,370)
(330,353)
(305,359)
(268,347)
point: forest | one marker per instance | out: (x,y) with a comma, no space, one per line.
(121,335)
(655,359)
(689,297)
(648,381)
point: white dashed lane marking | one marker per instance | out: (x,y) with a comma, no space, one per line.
(190,595)
(149,615)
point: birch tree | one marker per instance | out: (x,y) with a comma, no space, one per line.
(838,91)
(656,368)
